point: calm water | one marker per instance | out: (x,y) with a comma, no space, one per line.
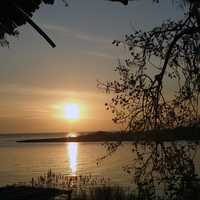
(19,162)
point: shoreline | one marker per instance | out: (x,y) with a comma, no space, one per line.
(178,134)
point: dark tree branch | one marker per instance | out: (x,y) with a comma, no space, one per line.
(33,24)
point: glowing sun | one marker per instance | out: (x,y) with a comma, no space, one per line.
(72,111)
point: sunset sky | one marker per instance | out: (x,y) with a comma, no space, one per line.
(37,82)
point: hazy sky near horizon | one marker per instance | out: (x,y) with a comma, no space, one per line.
(36,81)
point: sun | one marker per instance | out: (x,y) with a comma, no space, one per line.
(72,111)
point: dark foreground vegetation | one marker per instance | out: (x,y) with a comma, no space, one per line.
(181,133)
(53,186)
(29,193)
(34,193)
(60,187)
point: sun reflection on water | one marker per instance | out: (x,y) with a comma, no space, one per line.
(72,155)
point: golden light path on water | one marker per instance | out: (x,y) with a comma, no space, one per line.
(72,149)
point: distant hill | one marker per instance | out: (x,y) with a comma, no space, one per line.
(181,133)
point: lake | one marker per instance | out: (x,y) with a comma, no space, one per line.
(20,161)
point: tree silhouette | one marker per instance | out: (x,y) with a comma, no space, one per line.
(168,52)
(125,2)
(19,12)
(143,101)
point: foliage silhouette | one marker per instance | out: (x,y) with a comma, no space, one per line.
(142,101)
(172,50)
(125,2)
(19,12)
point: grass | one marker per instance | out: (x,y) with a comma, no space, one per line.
(17,192)
(52,186)
(106,193)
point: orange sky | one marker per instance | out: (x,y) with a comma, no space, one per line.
(36,81)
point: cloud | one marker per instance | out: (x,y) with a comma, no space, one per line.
(78,34)
(100,54)
(21,90)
